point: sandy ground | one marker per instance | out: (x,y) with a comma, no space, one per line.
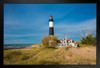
(88,52)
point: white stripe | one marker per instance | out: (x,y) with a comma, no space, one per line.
(50,24)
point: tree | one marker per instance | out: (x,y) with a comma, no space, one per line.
(83,41)
(49,41)
(89,40)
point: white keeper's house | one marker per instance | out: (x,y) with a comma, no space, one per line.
(65,42)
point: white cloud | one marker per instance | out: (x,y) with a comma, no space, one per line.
(85,25)
(11,35)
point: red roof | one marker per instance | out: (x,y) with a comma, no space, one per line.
(59,41)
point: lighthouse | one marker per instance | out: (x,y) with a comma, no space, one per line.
(51,29)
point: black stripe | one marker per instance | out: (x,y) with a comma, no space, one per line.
(51,31)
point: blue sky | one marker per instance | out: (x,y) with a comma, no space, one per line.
(28,23)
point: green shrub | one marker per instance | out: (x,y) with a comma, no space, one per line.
(49,41)
(83,41)
(90,40)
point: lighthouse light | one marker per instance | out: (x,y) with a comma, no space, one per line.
(50,17)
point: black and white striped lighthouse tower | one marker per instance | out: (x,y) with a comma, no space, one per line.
(51,29)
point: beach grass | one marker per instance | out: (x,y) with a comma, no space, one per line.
(83,45)
(51,56)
